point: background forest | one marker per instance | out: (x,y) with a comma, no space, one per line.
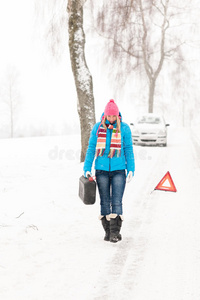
(136,52)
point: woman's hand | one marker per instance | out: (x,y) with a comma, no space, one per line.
(129,176)
(87,174)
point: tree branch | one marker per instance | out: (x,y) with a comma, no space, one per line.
(160,11)
(119,44)
(167,53)
(162,46)
(148,68)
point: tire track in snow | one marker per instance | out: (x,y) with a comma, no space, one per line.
(175,243)
(196,147)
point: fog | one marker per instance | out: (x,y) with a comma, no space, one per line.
(43,89)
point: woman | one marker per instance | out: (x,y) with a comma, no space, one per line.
(111,143)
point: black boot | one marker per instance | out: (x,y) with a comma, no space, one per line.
(115,226)
(106,226)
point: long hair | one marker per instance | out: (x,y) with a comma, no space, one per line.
(118,123)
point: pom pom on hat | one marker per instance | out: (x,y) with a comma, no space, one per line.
(111,109)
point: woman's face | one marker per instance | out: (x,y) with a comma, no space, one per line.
(111,119)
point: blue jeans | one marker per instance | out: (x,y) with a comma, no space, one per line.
(111,187)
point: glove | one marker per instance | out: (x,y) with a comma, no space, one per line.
(129,176)
(87,174)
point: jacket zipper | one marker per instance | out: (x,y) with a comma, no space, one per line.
(110,144)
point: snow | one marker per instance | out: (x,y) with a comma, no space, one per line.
(52,244)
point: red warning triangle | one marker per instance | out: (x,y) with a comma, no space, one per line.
(166,184)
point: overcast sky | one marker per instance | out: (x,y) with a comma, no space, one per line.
(46,88)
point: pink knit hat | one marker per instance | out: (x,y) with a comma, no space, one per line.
(111,109)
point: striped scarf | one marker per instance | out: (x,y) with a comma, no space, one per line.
(115,145)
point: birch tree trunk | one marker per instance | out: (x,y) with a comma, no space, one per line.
(82,76)
(11,109)
(11,96)
(152,84)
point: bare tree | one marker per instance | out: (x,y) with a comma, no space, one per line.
(54,29)
(153,73)
(10,96)
(82,76)
(142,35)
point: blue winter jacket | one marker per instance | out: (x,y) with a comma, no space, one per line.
(125,161)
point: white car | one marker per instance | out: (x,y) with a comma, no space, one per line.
(150,129)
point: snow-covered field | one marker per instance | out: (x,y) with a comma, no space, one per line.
(52,244)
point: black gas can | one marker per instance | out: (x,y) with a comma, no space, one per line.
(87,190)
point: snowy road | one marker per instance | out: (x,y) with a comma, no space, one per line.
(52,245)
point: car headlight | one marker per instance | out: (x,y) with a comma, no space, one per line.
(135,132)
(162,132)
